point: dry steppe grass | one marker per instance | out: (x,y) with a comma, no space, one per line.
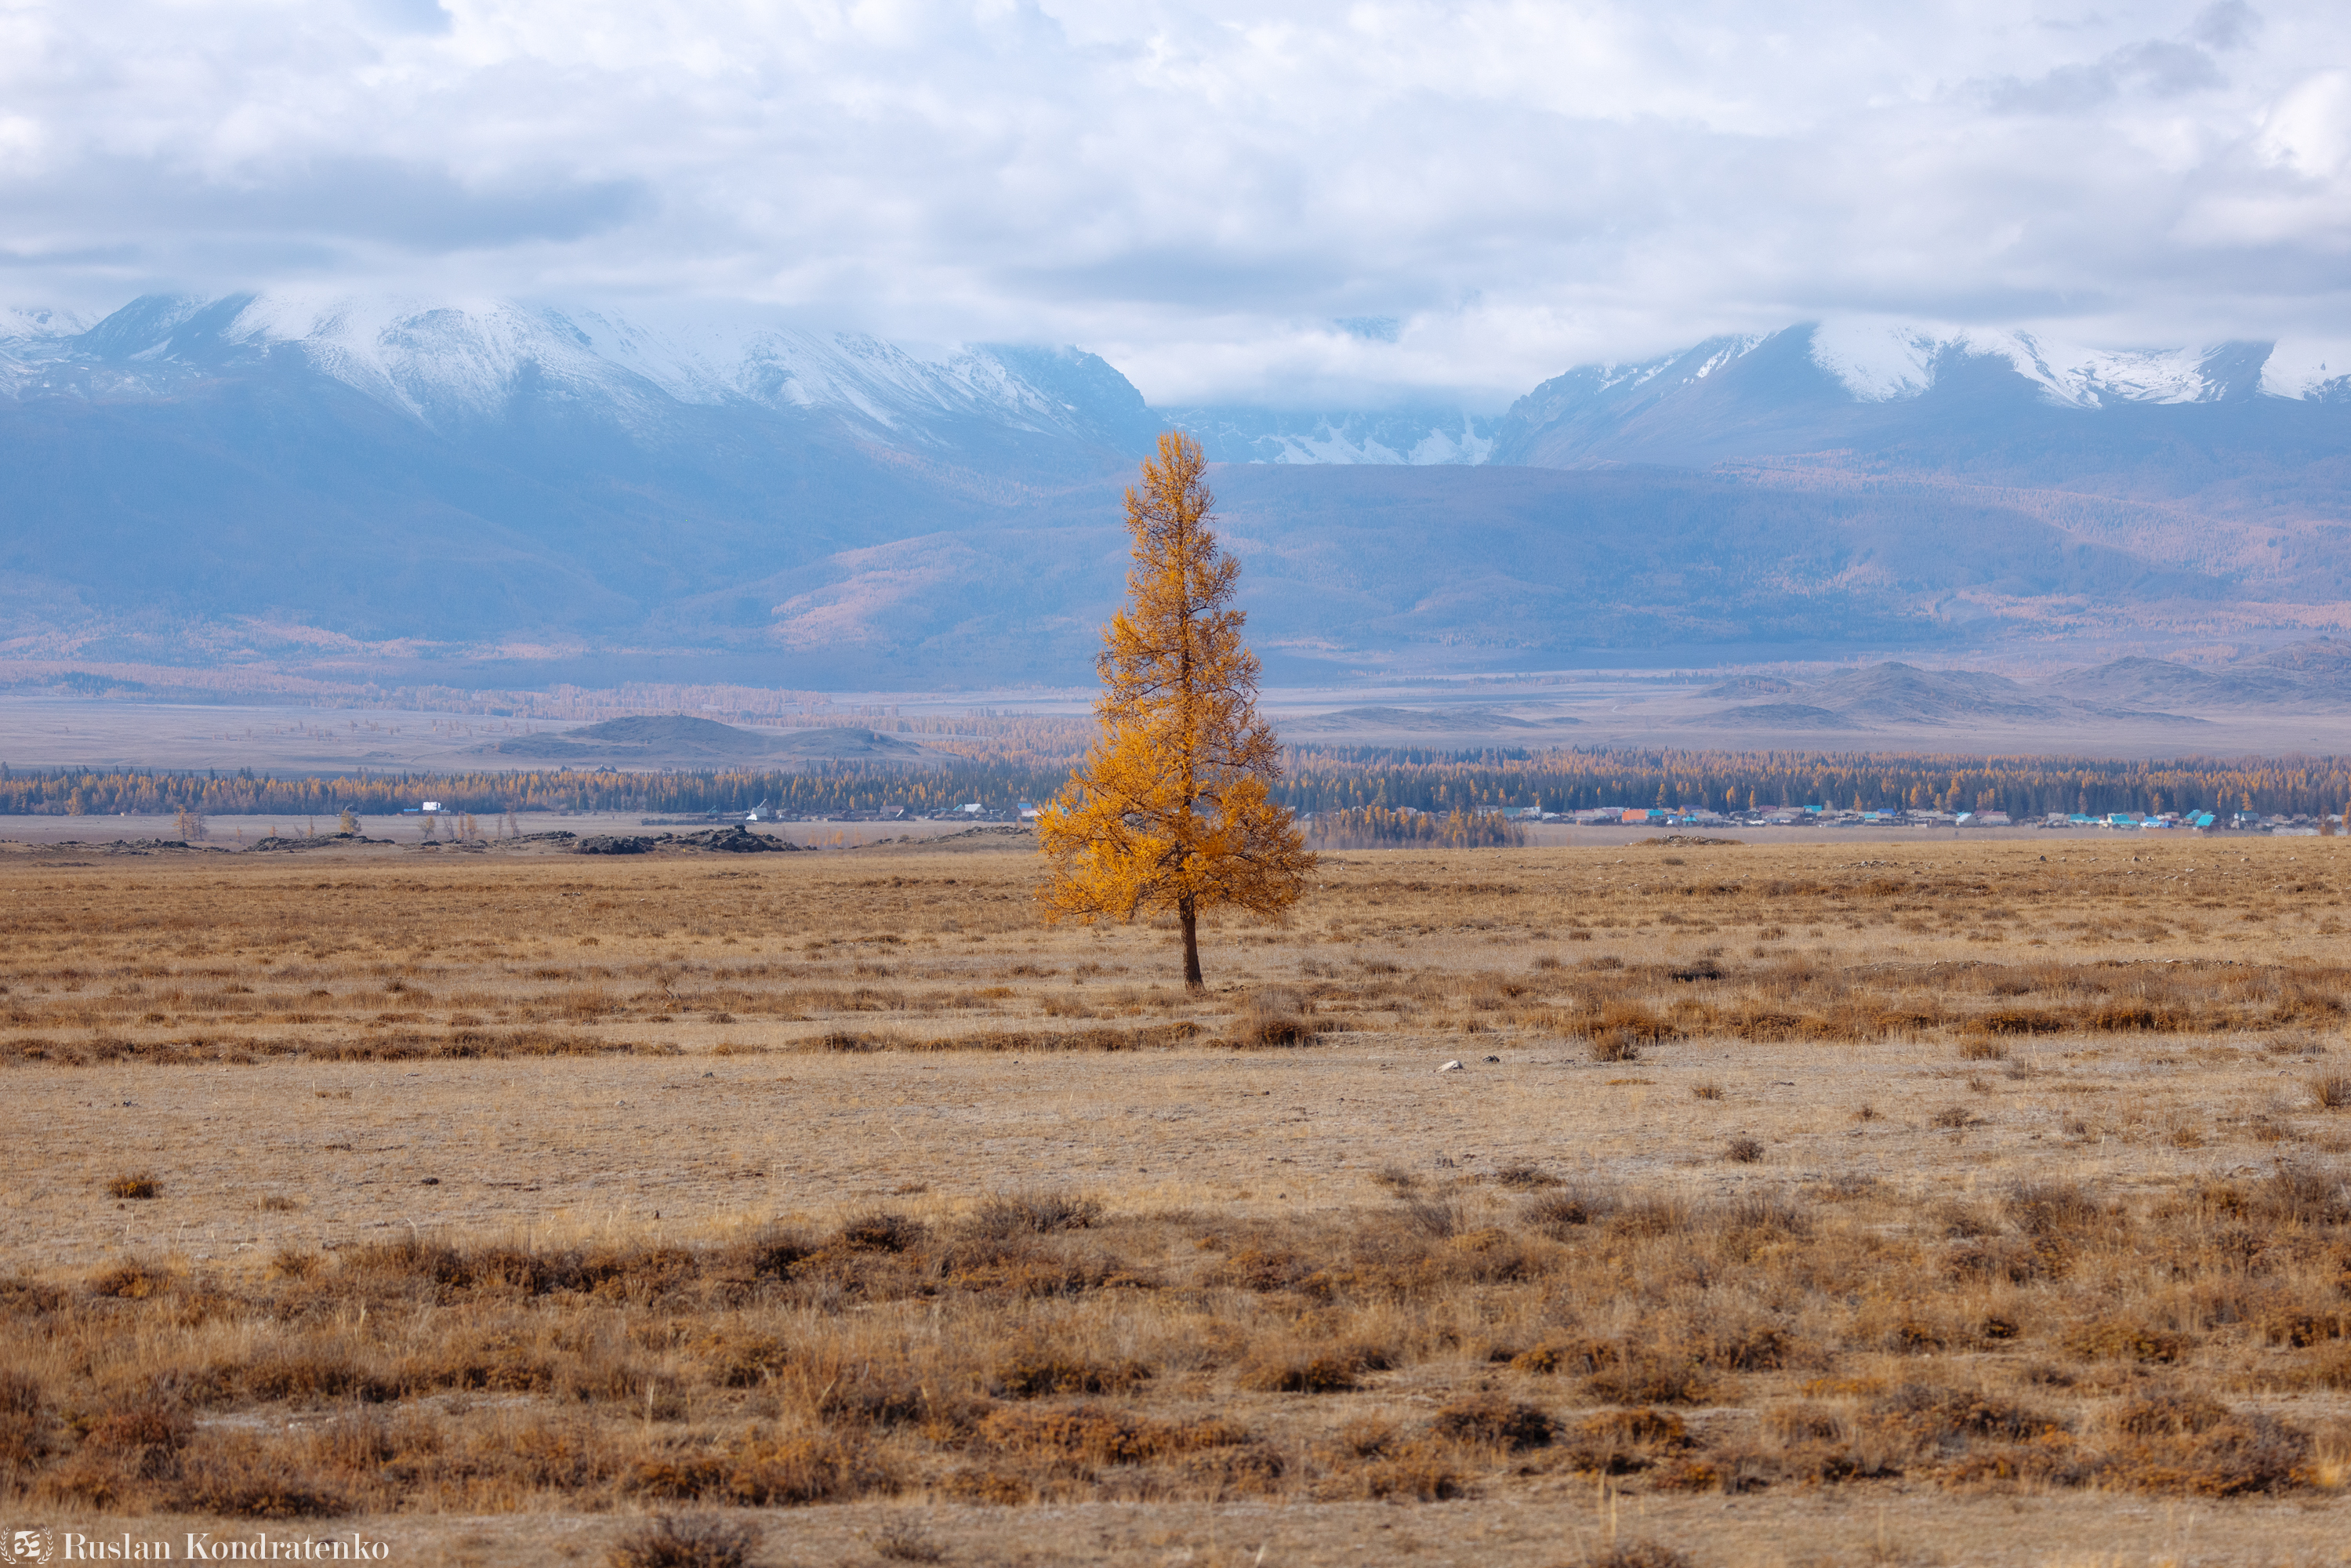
(1828,1178)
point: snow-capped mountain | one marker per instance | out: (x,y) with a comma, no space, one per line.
(1877,361)
(457,365)
(1864,385)
(472,471)
(1805,382)
(454,364)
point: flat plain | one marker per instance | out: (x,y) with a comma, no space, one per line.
(1826,1202)
(1587,710)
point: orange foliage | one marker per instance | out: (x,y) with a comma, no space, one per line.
(1169,811)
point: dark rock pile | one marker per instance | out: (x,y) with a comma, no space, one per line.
(315,842)
(734,839)
(615,844)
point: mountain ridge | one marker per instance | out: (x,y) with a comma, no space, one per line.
(323,478)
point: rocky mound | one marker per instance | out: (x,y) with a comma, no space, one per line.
(315,842)
(615,844)
(734,840)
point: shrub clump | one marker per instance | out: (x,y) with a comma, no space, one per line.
(24,1420)
(687,1540)
(1492,1423)
(1037,1375)
(245,1480)
(1034,1214)
(2188,1443)
(880,1231)
(1325,1369)
(766,1472)
(2123,1339)
(1578,1203)
(1274,1016)
(1634,1554)
(1650,1380)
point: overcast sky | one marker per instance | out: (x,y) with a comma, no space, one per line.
(1293,202)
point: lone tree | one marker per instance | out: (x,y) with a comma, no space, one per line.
(1169,810)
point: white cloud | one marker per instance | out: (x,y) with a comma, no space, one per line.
(1221,201)
(2309,129)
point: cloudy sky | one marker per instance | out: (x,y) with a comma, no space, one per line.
(1271,199)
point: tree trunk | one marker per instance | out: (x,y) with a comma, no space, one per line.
(1191,918)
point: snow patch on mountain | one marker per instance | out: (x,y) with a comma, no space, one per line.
(1880,361)
(1695,363)
(437,360)
(1625,378)
(28,325)
(2309,368)
(1416,438)
(1730,349)
(2080,376)
(720,357)
(28,337)
(1464,446)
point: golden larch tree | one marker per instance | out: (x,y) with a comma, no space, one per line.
(1169,811)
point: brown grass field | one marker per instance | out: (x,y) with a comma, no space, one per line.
(1821,1204)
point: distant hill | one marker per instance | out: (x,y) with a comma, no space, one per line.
(684,740)
(1905,694)
(2140,681)
(1388,720)
(2304,677)
(1782,716)
(2309,677)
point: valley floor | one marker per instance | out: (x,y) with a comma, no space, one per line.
(1980,1202)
